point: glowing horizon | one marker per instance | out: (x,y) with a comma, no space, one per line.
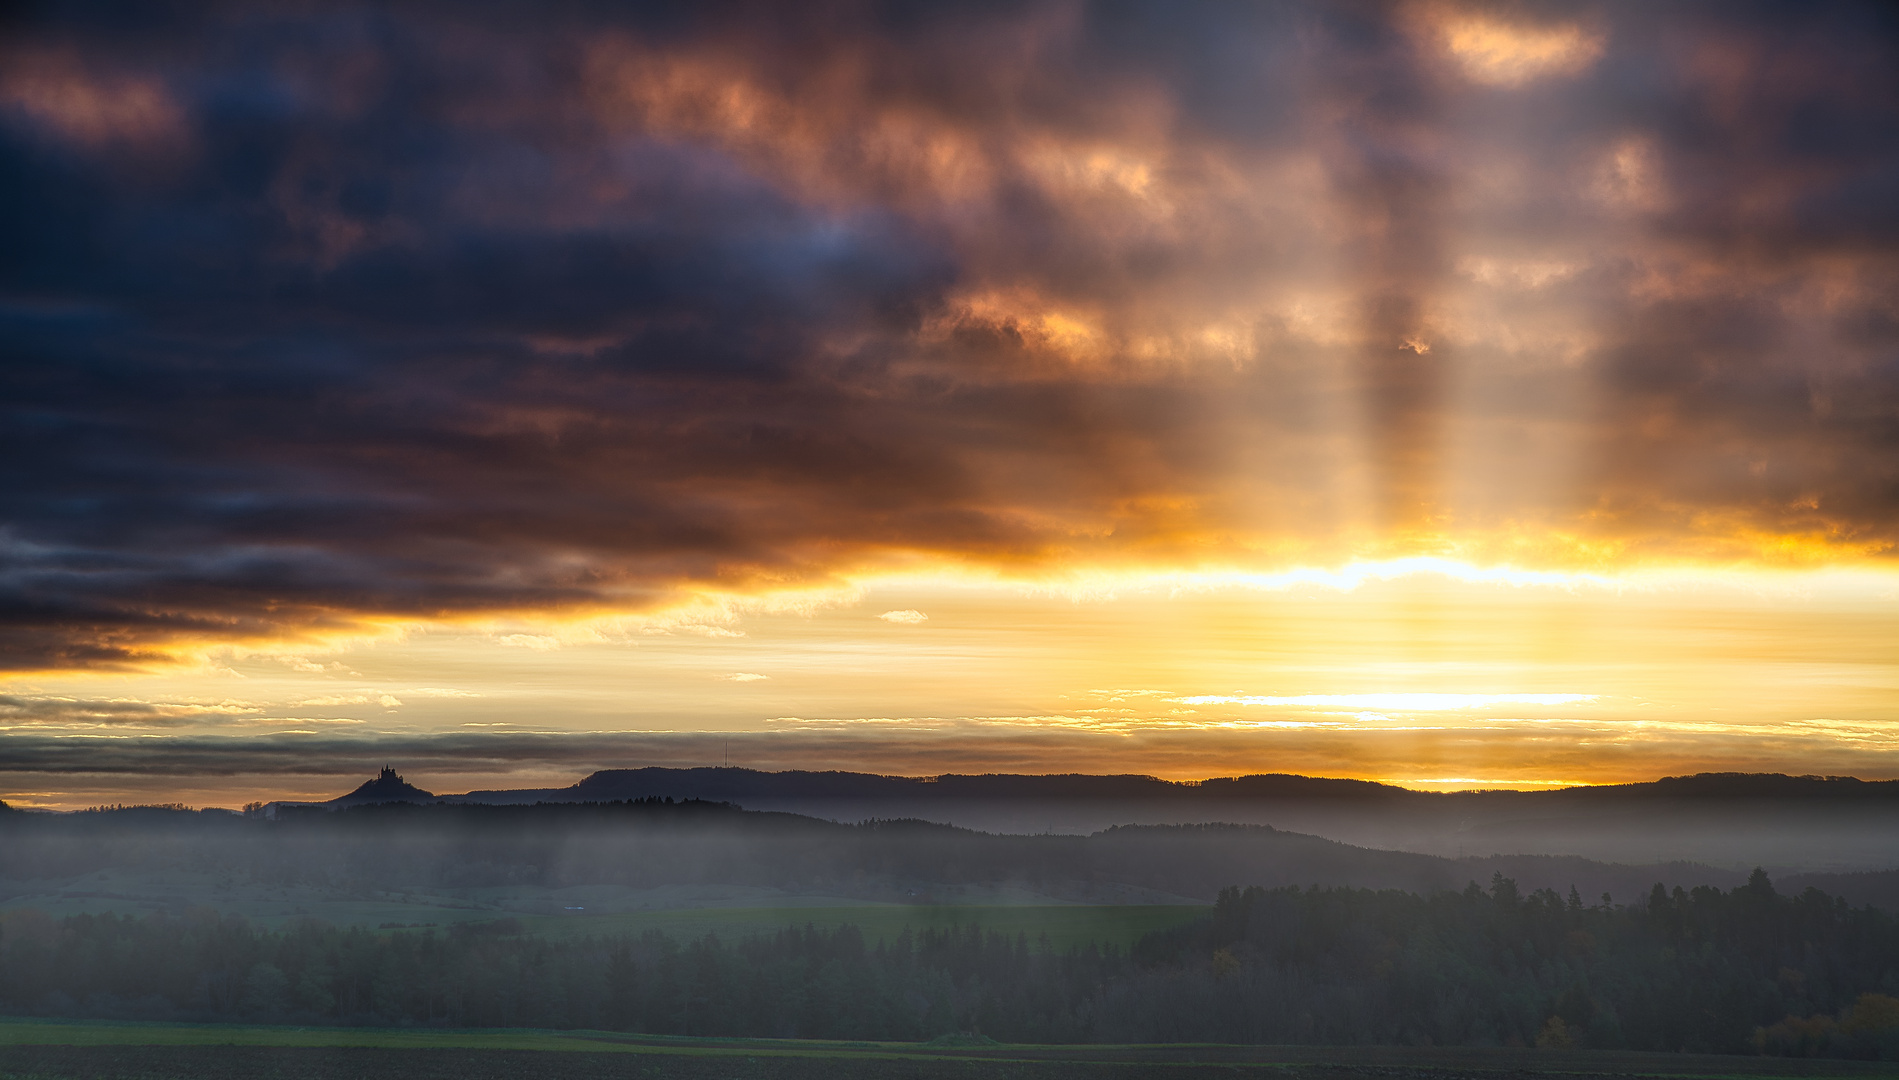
(1390,679)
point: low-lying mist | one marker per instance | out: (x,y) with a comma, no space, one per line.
(471,851)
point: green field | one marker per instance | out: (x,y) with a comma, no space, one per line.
(56,1050)
(608,912)
(1066,927)
(680,911)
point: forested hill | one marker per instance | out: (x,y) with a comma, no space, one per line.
(738,785)
(1834,824)
(385,788)
(647,844)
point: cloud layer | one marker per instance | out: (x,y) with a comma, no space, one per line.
(319,320)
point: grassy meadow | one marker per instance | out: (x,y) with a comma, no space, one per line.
(600,910)
(57,1050)
(1065,927)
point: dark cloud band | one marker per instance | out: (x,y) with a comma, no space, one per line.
(312,318)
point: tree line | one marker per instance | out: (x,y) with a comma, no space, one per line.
(1702,970)
(1741,971)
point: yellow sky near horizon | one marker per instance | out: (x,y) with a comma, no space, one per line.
(1418,677)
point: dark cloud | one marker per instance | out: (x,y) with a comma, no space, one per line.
(316,316)
(461,754)
(21,709)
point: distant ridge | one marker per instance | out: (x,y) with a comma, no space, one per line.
(387,787)
(1737,820)
(737,784)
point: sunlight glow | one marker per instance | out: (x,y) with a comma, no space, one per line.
(1396,702)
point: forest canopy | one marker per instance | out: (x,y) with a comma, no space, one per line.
(1741,971)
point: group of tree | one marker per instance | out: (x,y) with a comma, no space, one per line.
(1701,970)
(1744,971)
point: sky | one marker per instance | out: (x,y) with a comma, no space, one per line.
(1450,394)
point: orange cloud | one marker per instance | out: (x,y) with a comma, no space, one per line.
(1500,52)
(55,89)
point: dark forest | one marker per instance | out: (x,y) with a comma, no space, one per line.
(1741,971)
